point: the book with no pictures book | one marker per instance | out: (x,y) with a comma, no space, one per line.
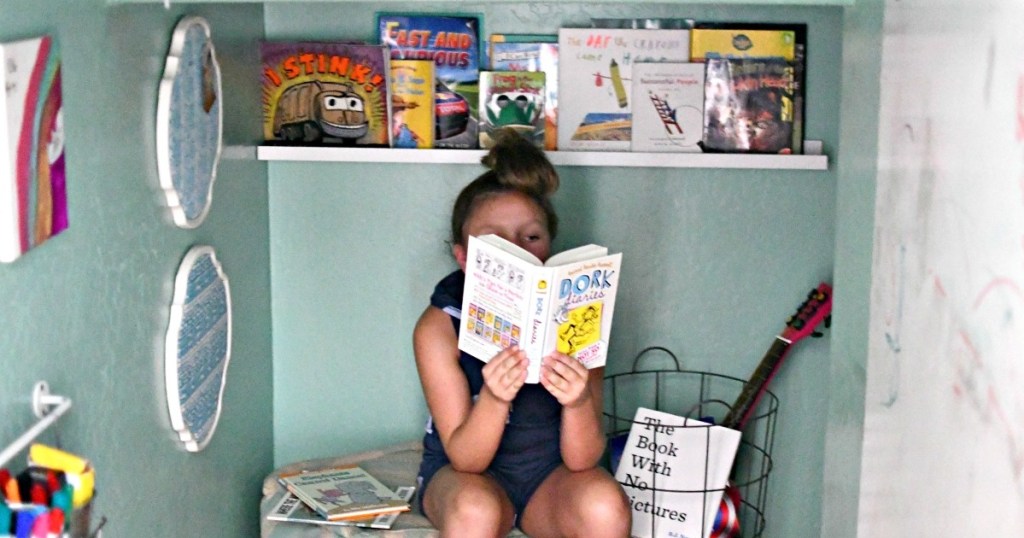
(346,492)
(412,104)
(597,63)
(668,107)
(512,298)
(512,100)
(452,41)
(748,105)
(674,470)
(532,52)
(325,93)
(33,193)
(291,509)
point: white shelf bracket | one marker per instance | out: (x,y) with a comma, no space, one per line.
(47,408)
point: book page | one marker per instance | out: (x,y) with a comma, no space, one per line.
(577,254)
(499,283)
(508,246)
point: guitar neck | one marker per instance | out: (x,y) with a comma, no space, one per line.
(755,387)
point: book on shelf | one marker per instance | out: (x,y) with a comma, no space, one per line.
(343,493)
(674,471)
(512,298)
(291,509)
(325,93)
(597,64)
(512,100)
(760,40)
(748,105)
(412,104)
(453,42)
(33,193)
(668,107)
(532,52)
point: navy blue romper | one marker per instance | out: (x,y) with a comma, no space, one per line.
(530,447)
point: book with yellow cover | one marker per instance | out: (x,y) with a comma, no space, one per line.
(343,493)
(741,43)
(412,104)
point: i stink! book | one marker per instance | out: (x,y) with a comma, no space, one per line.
(325,93)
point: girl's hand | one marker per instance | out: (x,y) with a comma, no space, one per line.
(565,378)
(505,374)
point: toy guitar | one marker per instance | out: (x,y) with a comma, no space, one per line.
(800,325)
(814,310)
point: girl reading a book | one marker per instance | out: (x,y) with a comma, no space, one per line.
(499,452)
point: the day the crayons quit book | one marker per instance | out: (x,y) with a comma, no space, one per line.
(512,298)
(325,93)
(453,42)
(346,492)
(597,64)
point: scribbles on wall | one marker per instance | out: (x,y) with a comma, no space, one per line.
(198,347)
(33,197)
(944,416)
(189,122)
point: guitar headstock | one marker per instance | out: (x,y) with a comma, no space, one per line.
(812,312)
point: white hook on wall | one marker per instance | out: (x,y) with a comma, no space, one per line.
(48,408)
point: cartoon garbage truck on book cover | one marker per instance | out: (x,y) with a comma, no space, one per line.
(324,93)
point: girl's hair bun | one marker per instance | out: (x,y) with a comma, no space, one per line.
(519,164)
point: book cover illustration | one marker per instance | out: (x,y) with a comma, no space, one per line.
(325,93)
(674,470)
(716,42)
(346,492)
(412,104)
(513,100)
(760,40)
(291,509)
(668,107)
(597,63)
(453,42)
(748,106)
(33,194)
(510,298)
(530,52)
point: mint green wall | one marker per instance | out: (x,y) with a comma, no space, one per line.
(87,311)
(715,260)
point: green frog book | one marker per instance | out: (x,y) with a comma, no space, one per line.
(512,100)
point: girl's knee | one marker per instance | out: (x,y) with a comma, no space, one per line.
(473,512)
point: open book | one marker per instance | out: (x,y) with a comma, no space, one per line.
(512,298)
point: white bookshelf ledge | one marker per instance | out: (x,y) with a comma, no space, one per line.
(815,161)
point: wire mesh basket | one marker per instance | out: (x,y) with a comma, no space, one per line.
(708,397)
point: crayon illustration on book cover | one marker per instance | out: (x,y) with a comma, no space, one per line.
(597,63)
(453,42)
(325,93)
(512,100)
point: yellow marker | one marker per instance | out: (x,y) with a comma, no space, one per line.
(620,90)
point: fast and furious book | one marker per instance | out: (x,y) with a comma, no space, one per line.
(512,298)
